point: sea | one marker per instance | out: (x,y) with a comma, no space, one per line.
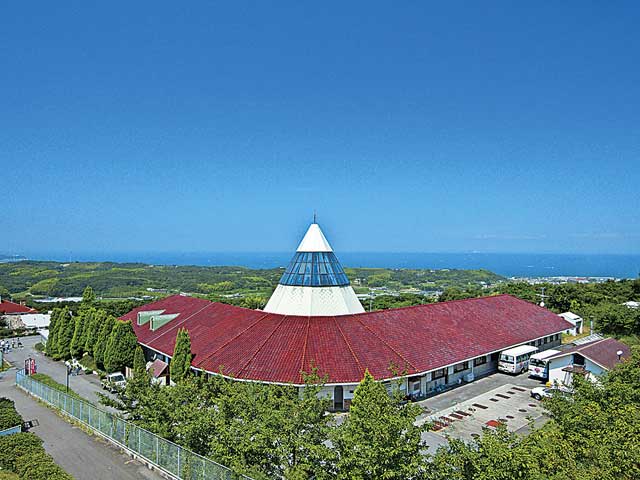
(506,264)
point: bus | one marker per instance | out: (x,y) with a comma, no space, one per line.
(516,360)
(539,363)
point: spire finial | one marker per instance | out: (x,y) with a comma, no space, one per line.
(314,217)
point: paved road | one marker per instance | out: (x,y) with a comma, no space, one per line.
(87,386)
(478,387)
(83,456)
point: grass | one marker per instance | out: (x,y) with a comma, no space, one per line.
(47,380)
(572,338)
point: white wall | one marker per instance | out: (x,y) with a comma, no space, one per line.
(556,375)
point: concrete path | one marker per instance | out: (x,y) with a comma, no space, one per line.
(87,386)
(508,404)
(84,456)
(467,394)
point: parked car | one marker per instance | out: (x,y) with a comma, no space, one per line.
(547,392)
(114,382)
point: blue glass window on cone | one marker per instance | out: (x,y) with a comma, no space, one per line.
(314,269)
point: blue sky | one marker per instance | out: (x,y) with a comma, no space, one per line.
(423,127)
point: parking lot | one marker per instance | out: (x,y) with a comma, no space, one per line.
(509,404)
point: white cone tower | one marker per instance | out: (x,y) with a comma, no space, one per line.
(314,283)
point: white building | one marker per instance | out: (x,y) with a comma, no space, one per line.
(576,320)
(590,360)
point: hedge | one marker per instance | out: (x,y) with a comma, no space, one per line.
(22,453)
(36,465)
(12,446)
(9,417)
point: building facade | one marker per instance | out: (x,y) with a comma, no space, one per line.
(425,348)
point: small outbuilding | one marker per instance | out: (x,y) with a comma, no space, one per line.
(589,360)
(576,320)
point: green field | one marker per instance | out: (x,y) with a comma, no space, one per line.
(239,285)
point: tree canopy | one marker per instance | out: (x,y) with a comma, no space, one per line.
(181,361)
(120,347)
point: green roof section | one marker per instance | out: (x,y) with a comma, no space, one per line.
(158,321)
(144,317)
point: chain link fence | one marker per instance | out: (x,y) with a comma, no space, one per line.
(175,460)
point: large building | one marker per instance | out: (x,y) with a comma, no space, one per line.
(313,319)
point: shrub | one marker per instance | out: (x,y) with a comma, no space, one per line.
(9,417)
(39,347)
(22,453)
(8,475)
(88,363)
(13,446)
(37,465)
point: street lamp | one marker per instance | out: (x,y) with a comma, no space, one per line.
(68,372)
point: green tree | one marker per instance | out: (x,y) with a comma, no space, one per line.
(65,334)
(101,342)
(121,346)
(78,340)
(138,385)
(54,330)
(378,439)
(88,297)
(4,293)
(96,320)
(181,361)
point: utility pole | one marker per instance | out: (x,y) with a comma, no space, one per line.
(542,296)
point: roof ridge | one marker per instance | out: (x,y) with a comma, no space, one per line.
(388,346)
(177,324)
(349,346)
(261,345)
(231,339)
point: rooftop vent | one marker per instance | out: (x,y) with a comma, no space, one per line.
(145,316)
(158,321)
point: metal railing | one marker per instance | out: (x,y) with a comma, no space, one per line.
(163,454)
(11,431)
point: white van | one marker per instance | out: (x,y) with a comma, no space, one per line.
(539,363)
(516,360)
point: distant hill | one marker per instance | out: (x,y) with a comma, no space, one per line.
(12,258)
(56,279)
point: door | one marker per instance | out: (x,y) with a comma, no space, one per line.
(338,398)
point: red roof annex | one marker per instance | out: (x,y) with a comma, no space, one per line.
(8,308)
(255,345)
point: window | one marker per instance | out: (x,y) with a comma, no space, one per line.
(460,367)
(314,269)
(479,361)
(546,340)
(438,373)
